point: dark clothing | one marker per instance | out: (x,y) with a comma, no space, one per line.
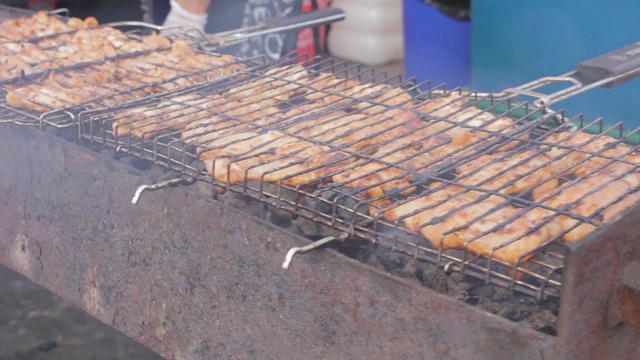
(223,14)
(159,11)
(227,15)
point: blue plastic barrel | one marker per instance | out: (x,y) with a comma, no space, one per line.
(437,47)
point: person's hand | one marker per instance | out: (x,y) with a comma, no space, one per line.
(188,14)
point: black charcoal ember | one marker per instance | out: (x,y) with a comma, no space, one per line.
(483,290)
(69,133)
(308,228)
(538,315)
(245,204)
(204,189)
(356,248)
(472,300)
(140,164)
(340,204)
(48,346)
(280,217)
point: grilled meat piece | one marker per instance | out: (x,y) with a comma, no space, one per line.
(467,124)
(452,217)
(392,167)
(270,157)
(225,118)
(511,173)
(41,24)
(42,98)
(82,46)
(599,197)
(327,89)
(147,74)
(378,97)
(156,118)
(511,234)
(581,153)
(277,84)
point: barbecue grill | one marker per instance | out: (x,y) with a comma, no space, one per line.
(179,129)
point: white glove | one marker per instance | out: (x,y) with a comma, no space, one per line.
(179,16)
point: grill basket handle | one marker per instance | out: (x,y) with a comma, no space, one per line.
(275,25)
(619,66)
(607,70)
(309,19)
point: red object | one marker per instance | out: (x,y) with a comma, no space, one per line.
(306,43)
(41,4)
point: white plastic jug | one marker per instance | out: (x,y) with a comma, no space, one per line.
(371,34)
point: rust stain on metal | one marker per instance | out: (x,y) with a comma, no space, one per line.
(21,257)
(194,279)
(91,296)
(588,325)
(626,301)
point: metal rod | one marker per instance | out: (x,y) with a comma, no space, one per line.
(305,20)
(158,186)
(305,249)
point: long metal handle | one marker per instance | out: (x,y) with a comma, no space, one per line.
(607,70)
(270,26)
(305,20)
(63,12)
(136,24)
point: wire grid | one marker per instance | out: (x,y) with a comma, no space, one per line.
(50,47)
(60,110)
(9,114)
(9,12)
(155,129)
(12,13)
(146,75)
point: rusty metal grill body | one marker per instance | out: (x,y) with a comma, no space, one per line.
(588,286)
(147,271)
